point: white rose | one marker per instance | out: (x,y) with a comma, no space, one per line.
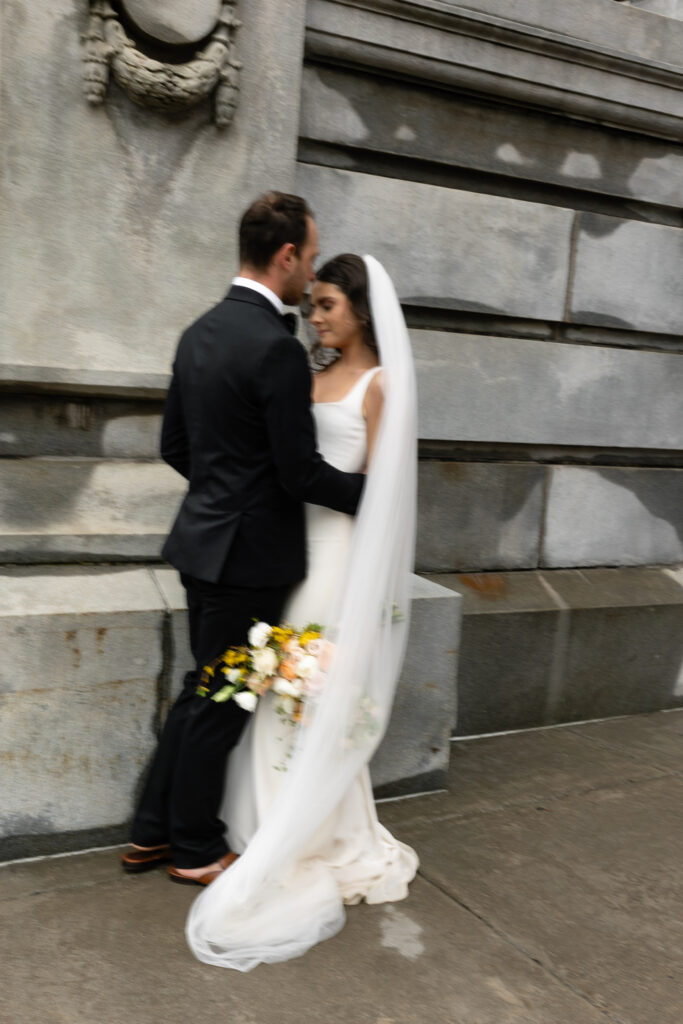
(233,675)
(307,666)
(287,705)
(286,687)
(314,646)
(246,699)
(259,633)
(265,661)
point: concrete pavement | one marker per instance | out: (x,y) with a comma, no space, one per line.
(550,892)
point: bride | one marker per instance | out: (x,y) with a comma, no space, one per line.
(299,803)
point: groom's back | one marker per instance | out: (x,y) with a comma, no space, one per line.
(236,505)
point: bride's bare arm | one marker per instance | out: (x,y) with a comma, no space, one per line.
(373,404)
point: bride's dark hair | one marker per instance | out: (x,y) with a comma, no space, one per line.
(348,273)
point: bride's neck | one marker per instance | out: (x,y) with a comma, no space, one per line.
(357,356)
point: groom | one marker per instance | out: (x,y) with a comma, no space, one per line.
(238,426)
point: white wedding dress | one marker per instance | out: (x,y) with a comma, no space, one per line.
(367,863)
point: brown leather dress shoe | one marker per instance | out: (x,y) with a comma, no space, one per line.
(134,860)
(225,861)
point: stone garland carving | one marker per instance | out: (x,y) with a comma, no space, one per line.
(156,84)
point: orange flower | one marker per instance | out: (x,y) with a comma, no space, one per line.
(287,669)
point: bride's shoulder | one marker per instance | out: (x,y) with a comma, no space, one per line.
(374,394)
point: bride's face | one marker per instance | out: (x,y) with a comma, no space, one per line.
(333,317)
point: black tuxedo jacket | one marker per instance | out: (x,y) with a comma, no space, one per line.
(238,426)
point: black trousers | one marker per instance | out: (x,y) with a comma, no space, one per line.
(183,792)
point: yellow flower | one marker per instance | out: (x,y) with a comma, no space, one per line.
(281,634)
(235,656)
(310,634)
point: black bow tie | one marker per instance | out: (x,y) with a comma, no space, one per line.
(289,320)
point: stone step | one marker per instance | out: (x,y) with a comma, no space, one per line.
(58,509)
(471,516)
(540,648)
(92,657)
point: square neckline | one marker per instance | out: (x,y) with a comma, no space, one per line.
(338,401)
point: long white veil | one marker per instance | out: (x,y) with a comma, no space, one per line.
(270,905)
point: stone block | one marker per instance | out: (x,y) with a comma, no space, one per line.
(366,115)
(624,643)
(445,247)
(477,388)
(414,754)
(478,516)
(510,628)
(613,516)
(62,509)
(78,681)
(539,648)
(628,274)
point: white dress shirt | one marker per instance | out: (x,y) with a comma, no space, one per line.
(262,289)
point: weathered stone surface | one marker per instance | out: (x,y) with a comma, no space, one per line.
(66,508)
(613,516)
(540,648)
(39,425)
(411,227)
(478,516)
(362,112)
(119,223)
(507,650)
(415,751)
(630,625)
(669,8)
(598,62)
(628,274)
(81,656)
(471,387)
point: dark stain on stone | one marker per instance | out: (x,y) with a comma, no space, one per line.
(100,635)
(70,637)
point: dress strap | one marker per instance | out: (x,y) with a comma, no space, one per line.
(363,380)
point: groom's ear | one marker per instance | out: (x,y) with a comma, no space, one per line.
(285,256)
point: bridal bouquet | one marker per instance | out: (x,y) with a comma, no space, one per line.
(276,658)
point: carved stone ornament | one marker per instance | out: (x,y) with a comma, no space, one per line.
(158,84)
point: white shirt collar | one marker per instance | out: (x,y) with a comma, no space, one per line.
(262,289)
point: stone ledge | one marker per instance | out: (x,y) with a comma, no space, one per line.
(61,509)
(92,658)
(539,648)
(630,69)
(351,115)
(22,377)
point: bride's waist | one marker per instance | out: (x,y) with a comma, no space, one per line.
(326,524)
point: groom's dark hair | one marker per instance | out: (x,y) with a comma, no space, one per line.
(271,221)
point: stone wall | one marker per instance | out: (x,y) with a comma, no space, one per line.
(518,167)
